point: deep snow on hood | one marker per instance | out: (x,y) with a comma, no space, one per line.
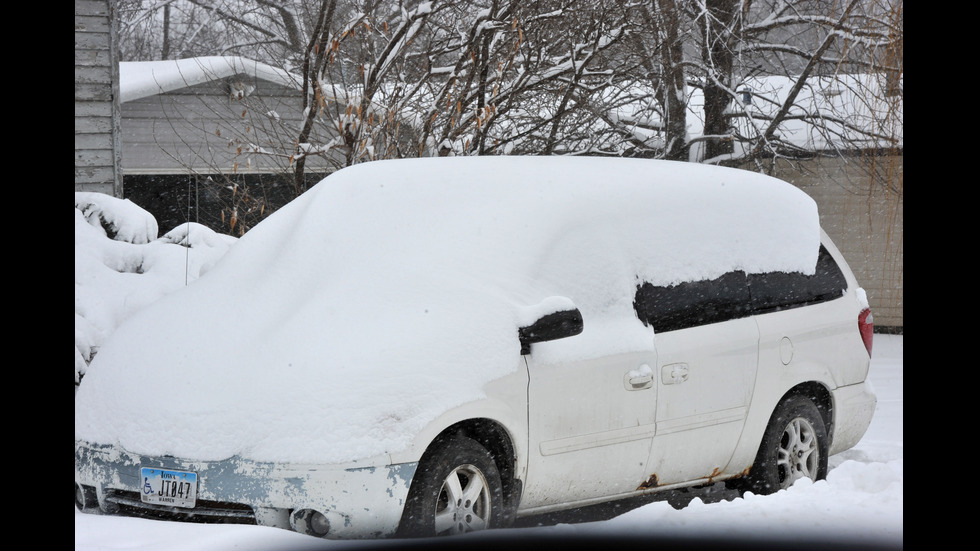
(391,291)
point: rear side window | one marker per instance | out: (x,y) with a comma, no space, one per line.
(694,303)
(736,295)
(776,291)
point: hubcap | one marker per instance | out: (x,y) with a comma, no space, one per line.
(464,502)
(797,456)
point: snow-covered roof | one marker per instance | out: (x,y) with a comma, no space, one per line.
(140,79)
(844,110)
(841,111)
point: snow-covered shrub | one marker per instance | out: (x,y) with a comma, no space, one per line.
(121,265)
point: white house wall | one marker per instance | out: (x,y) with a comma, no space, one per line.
(204,130)
(96,99)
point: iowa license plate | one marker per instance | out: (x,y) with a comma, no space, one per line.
(165,487)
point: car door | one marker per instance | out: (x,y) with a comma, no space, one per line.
(707,344)
(591,417)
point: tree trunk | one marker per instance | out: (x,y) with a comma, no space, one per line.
(720,25)
(672,87)
(313,60)
(165,50)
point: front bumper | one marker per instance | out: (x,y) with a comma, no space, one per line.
(854,406)
(359,500)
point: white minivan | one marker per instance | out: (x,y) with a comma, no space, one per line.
(434,346)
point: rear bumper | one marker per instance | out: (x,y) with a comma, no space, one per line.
(359,500)
(854,406)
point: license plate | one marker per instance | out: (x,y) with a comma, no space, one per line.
(166,487)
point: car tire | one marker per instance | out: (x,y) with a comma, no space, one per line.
(456,489)
(795,445)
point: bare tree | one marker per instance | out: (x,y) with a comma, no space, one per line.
(395,78)
(754,73)
(172,29)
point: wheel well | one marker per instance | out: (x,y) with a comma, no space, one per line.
(820,396)
(496,439)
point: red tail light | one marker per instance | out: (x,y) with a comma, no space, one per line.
(866,325)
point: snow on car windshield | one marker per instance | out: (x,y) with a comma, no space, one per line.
(391,291)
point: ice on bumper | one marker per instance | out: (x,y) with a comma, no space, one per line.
(334,501)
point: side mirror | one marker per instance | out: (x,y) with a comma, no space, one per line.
(557,325)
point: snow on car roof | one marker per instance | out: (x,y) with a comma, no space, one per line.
(390,292)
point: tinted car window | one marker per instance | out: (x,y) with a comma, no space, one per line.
(736,295)
(780,290)
(689,304)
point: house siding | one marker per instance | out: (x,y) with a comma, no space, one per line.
(861,207)
(97,119)
(201,130)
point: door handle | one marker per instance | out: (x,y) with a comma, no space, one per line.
(673,374)
(639,378)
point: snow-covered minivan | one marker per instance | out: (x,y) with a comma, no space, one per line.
(433,346)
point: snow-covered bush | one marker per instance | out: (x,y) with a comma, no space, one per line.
(121,265)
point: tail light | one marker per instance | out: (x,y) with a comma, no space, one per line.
(866,325)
